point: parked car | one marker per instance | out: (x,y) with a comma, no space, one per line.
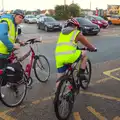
(87,27)
(30,19)
(38,16)
(98,20)
(115,19)
(48,24)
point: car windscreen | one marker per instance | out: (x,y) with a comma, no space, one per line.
(84,21)
(31,17)
(49,19)
(98,18)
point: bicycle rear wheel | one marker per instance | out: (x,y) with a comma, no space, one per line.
(67,97)
(12,88)
(88,71)
(41,68)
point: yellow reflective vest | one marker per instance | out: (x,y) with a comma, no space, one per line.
(66,47)
(12,34)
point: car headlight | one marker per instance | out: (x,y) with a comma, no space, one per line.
(98,27)
(60,24)
(99,22)
(49,25)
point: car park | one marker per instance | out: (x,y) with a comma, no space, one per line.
(87,27)
(49,24)
(98,20)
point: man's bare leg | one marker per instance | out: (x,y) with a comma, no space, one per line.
(58,76)
(84,60)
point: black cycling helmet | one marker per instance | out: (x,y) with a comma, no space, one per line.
(19,12)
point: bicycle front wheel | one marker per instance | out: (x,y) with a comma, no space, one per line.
(64,99)
(41,68)
(88,71)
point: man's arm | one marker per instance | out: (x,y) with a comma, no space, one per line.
(84,41)
(4,36)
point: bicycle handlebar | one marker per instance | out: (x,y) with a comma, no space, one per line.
(32,41)
(88,49)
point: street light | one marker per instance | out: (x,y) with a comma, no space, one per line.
(2,5)
(90,4)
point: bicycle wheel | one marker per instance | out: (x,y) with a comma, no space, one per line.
(88,71)
(67,97)
(13,88)
(41,68)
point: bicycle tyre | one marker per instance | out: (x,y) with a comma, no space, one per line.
(35,71)
(16,104)
(89,76)
(56,99)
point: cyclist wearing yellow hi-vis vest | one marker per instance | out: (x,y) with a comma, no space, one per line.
(8,34)
(66,48)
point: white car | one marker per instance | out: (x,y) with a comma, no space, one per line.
(38,16)
(30,19)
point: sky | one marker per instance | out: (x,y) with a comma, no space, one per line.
(50,4)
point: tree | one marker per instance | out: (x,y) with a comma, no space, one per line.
(74,10)
(62,12)
(38,11)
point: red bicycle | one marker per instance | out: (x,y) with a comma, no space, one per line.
(36,63)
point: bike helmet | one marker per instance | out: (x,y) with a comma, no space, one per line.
(73,21)
(19,12)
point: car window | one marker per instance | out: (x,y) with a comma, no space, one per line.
(83,21)
(49,19)
(98,18)
(32,16)
(114,16)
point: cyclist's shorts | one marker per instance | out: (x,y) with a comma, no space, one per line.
(61,64)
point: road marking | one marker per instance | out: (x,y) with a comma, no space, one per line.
(36,102)
(108,73)
(97,114)
(77,116)
(101,96)
(103,80)
(4,115)
(51,97)
(42,100)
(116,118)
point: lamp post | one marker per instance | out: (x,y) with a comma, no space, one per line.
(90,4)
(2,5)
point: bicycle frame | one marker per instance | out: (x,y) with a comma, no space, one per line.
(29,65)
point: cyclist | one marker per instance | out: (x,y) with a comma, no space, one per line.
(8,35)
(66,48)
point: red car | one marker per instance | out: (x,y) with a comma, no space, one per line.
(98,20)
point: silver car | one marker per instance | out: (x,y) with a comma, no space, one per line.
(30,19)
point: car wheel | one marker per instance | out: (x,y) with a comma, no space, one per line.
(109,22)
(46,28)
(38,26)
(28,22)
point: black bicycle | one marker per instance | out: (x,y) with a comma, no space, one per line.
(69,87)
